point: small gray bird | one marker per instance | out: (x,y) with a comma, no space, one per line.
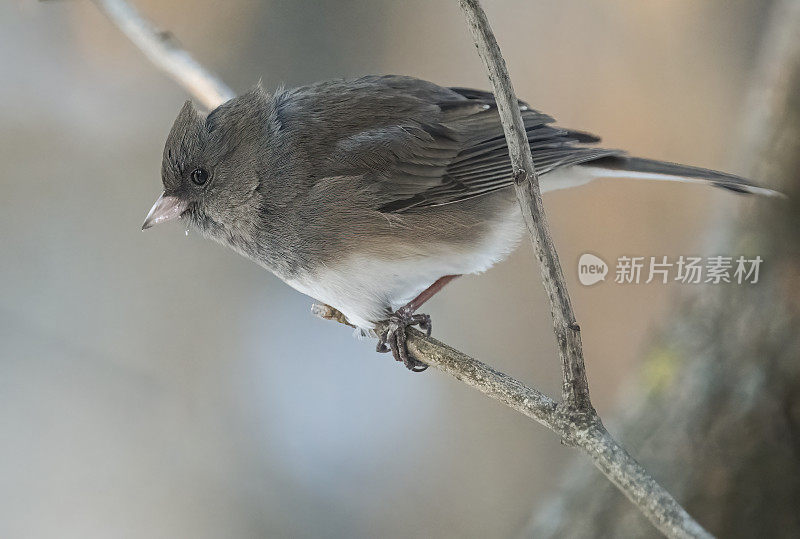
(371,194)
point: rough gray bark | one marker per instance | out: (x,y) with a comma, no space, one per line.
(721,422)
(577,421)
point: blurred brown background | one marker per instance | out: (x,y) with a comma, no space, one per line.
(154,385)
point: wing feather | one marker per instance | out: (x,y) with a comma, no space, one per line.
(428,145)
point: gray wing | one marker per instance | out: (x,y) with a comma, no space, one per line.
(448,145)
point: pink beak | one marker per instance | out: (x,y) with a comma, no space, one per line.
(166,208)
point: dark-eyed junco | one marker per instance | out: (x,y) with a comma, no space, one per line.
(371,194)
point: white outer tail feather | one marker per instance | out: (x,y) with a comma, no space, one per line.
(576,175)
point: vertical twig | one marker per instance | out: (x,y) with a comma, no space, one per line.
(580,421)
(575,389)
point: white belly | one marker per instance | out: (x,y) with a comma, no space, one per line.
(367,289)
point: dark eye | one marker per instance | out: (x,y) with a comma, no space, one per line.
(200,176)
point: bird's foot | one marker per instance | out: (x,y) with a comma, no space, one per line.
(394,338)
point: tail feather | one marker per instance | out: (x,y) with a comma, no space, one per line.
(649,169)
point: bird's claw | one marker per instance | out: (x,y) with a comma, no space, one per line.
(394,338)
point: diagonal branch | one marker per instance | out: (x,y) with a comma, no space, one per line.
(162,49)
(575,428)
(492,383)
(574,419)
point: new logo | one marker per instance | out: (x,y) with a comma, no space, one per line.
(591,269)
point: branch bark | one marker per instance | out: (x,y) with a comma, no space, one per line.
(728,357)
(492,383)
(575,387)
(163,50)
(575,428)
(574,419)
(578,419)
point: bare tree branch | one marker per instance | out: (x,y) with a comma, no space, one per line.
(492,383)
(733,388)
(575,390)
(579,422)
(580,429)
(574,419)
(163,50)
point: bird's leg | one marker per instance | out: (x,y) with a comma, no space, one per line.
(394,338)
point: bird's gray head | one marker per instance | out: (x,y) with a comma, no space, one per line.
(210,166)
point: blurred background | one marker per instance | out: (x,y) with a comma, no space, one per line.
(157,385)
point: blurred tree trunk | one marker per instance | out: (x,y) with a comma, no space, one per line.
(717,415)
